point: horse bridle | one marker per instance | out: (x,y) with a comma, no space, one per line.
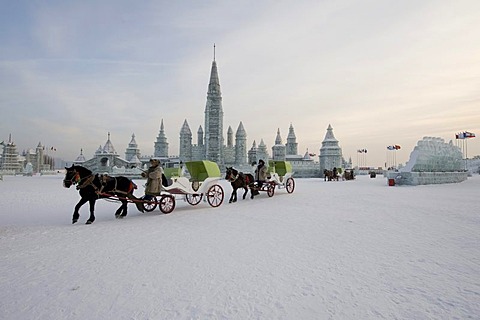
(230,179)
(76,179)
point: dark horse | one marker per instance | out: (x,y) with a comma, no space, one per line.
(330,175)
(92,187)
(238,180)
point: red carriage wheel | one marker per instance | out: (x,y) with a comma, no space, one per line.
(290,185)
(149,205)
(270,189)
(215,195)
(167,204)
(194,199)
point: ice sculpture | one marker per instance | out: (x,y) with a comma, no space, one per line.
(434,155)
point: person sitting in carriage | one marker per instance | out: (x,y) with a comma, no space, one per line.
(154,174)
(260,175)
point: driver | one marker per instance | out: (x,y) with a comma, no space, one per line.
(154,174)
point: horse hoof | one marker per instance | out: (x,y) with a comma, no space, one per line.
(74,221)
(120,217)
(89,222)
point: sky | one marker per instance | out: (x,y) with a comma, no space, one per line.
(399,252)
(379,72)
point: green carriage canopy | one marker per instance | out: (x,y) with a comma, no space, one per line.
(172,172)
(201,170)
(280,167)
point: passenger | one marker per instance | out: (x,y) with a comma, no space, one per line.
(154,175)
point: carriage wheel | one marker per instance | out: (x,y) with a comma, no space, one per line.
(194,199)
(167,204)
(270,189)
(215,195)
(290,185)
(150,205)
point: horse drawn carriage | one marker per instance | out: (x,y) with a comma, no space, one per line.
(280,175)
(203,182)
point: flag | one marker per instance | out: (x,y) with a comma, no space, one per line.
(365,150)
(312,154)
(391,147)
(397,147)
(460,136)
(467,134)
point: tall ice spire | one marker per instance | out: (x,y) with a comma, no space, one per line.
(214,117)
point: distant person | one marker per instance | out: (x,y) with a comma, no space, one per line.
(334,174)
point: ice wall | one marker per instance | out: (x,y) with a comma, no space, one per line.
(432,154)
(432,161)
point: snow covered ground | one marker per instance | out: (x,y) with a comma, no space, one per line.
(331,250)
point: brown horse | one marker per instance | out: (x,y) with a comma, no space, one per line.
(238,180)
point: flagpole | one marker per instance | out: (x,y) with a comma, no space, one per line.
(466,154)
(395,158)
(386,157)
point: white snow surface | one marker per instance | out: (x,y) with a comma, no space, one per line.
(330,250)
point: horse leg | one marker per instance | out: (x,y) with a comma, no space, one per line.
(122,211)
(245,192)
(76,215)
(233,197)
(92,209)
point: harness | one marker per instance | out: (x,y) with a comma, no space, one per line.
(88,181)
(103,182)
(238,176)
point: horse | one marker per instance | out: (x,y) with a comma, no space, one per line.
(328,174)
(92,187)
(238,180)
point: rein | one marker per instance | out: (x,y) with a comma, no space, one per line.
(88,181)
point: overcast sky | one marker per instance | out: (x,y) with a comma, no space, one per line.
(380,72)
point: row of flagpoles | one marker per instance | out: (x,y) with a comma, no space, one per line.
(461,140)
(362,157)
(392,159)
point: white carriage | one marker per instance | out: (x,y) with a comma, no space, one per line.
(280,176)
(203,182)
